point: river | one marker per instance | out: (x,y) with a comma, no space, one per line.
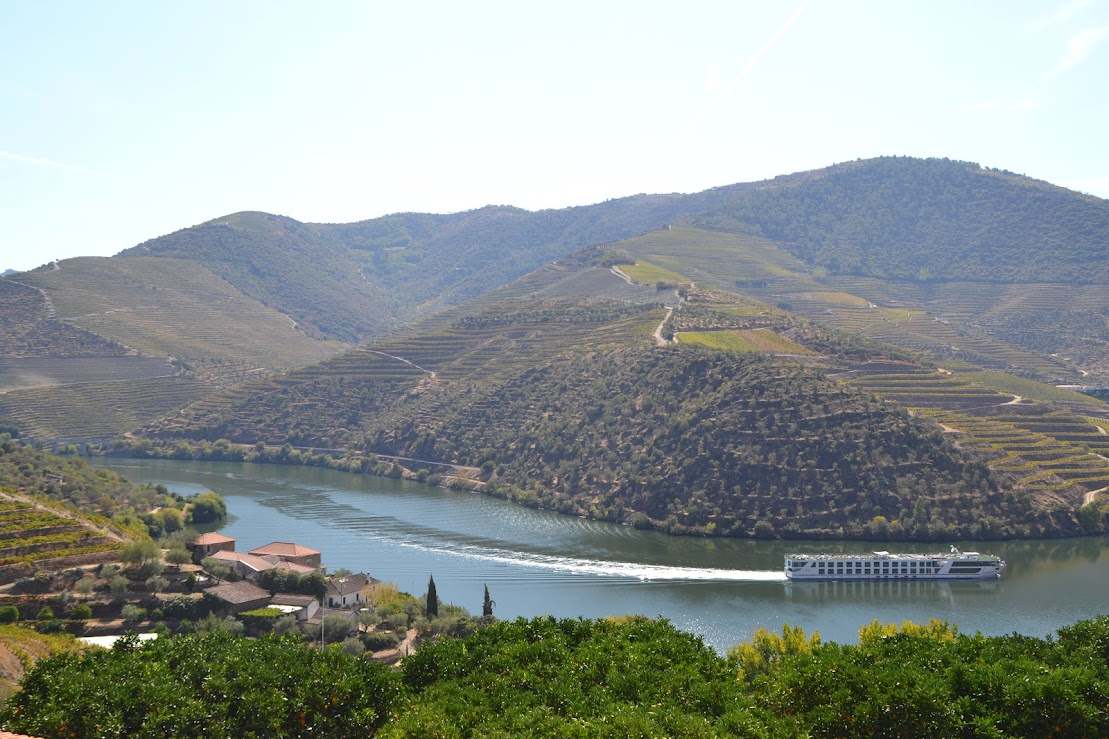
(538,562)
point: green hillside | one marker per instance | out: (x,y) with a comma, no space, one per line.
(173,307)
(359,280)
(569,404)
(1049,332)
(31,328)
(56,512)
(930,219)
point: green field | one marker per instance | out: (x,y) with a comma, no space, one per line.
(1033,390)
(757,340)
(646,273)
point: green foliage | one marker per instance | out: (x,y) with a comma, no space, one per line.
(431,608)
(487,604)
(904,218)
(131,612)
(547,677)
(870,634)
(178,555)
(72,481)
(8,614)
(766,650)
(375,641)
(213,685)
(931,681)
(81,611)
(138,553)
(207,508)
(285,581)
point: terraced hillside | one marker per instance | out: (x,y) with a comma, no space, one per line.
(1010,328)
(38,535)
(21,647)
(327,404)
(96,410)
(113,344)
(1046,450)
(177,308)
(31,328)
(570,404)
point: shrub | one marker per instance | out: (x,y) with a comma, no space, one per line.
(8,614)
(375,641)
(131,612)
(45,613)
(81,611)
(353,646)
(156,584)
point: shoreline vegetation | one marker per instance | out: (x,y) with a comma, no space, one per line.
(625,676)
(484,480)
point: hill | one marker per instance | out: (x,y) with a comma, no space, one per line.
(359,280)
(98,346)
(933,219)
(570,403)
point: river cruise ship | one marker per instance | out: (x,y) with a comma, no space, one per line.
(885,566)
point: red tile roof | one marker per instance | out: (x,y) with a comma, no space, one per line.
(255,563)
(284,549)
(212,538)
(238,592)
(294,567)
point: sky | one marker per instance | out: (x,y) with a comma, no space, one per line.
(123,121)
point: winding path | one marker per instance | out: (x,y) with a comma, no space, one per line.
(659,340)
(402,359)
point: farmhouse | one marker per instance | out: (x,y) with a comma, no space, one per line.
(348,591)
(208,544)
(236,597)
(290,552)
(304,607)
(246,566)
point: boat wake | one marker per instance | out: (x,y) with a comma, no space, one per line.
(600,568)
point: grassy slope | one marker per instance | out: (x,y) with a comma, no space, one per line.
(174,307)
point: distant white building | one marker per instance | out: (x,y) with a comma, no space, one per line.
(348,591)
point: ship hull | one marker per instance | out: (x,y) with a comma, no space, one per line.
(886,566)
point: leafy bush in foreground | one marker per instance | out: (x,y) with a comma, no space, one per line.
(629,677)
(211,685)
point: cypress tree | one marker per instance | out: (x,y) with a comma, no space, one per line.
(432,598)
(487,604)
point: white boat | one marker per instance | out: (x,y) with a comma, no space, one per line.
(885,566)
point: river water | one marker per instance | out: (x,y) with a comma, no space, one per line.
(538,562)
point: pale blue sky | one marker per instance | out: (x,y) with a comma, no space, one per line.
(122,121)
